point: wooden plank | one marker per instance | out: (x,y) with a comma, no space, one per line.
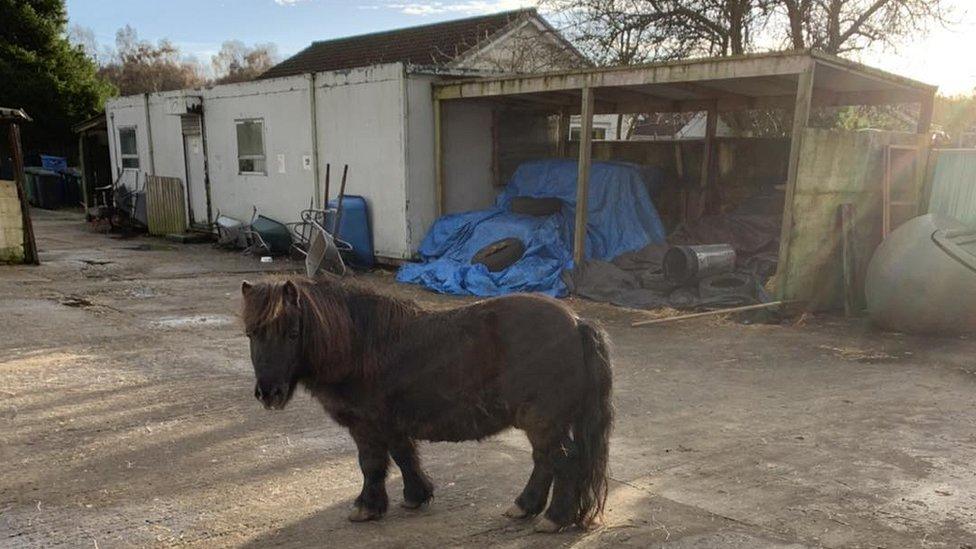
(439,156)
(679,71)
(742,309)
(583,175)
(679,168)
(849,259)
(84,172)
(30,245)
(612,102)
(562,134)
(886,194)
(165,206)
(711,126)
(496,170)
(801,117)
(925,114)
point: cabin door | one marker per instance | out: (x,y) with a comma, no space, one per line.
(197,188)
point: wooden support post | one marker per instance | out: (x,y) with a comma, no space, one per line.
(583,174)
(496,168)
(801,117)
(886,194)
(439,157)
(84,171)
(562,134)
(30,246)
(925,114)
(848,239)
(711,126)
(679,167)
(708,161)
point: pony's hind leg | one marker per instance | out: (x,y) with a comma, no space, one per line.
(534,496)
(564,508)
(374,460)
(417,488)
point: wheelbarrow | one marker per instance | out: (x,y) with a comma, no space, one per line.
(321,250)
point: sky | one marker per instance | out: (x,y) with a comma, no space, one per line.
(945,57)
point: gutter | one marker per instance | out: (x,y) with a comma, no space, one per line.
(313,117)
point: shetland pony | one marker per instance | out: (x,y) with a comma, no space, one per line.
(393,373)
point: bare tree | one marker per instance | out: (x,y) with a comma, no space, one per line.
(84,38)
(635,31)
(844,26)
(139,66)
(237,62)
(632,31)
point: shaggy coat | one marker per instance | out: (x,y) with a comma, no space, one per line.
(392,373)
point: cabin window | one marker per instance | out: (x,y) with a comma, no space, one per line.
(128,148)
(250,146)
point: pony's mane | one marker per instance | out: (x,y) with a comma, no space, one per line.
(342,321)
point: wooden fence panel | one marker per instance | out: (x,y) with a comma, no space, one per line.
(166,205)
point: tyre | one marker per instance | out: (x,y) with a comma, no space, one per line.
(539,207)
(725,285)
(500,255)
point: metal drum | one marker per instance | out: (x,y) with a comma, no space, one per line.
(687,264)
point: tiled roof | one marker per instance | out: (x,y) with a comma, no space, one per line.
(434,44)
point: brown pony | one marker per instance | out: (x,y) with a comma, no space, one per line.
(393,373)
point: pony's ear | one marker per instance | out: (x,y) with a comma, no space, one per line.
(290,292)
(246,288)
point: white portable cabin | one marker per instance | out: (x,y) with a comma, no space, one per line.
(266,143)
(378,120)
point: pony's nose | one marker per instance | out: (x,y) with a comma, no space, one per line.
(271,396)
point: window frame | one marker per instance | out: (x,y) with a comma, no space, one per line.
(238,122)
(123,156)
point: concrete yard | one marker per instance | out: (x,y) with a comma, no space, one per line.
(127,419)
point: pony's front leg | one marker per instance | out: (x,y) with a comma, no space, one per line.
(374,460)
(417,488)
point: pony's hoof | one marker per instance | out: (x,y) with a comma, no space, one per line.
(361,514)
(516,512)
(412,505)
(546,526)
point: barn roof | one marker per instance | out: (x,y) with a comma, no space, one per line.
(434,44)
(756,81)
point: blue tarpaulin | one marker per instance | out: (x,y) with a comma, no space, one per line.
(621,218)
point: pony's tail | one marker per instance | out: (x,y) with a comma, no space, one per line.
(591,428)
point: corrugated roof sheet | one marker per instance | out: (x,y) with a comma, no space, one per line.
(435,44)
(954,185)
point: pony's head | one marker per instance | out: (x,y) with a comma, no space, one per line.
(299,330)
(272,317)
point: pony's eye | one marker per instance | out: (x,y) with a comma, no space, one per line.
(293,334)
